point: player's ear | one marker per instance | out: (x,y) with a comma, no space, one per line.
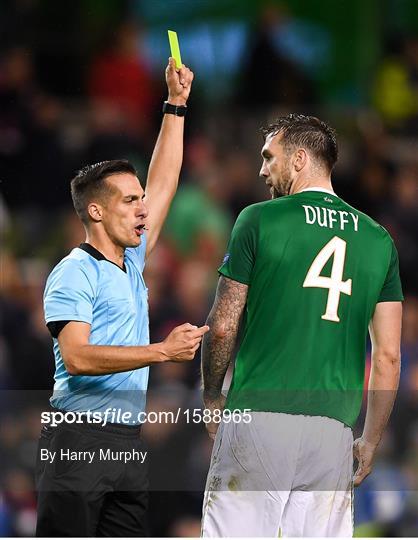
(95,211)
(300,159)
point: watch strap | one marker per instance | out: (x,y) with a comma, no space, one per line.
(178,110)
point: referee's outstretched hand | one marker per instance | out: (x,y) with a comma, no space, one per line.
(182,343)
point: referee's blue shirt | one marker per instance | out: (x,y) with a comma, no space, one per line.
(87,287)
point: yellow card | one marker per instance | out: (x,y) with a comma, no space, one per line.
(175,48)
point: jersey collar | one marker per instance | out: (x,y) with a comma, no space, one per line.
(88,248)
(318,189)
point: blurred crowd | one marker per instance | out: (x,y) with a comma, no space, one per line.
(112,110)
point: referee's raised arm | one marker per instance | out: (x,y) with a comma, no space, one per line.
(165,165)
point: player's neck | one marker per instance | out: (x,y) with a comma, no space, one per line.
(104,244)
(309,183)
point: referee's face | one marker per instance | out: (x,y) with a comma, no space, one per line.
(124,213)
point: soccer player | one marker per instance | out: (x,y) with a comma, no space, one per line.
(91,476)
(308,274)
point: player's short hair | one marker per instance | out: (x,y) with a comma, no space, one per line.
(89,183)
(307,132)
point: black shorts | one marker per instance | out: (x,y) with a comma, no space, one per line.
(95,484)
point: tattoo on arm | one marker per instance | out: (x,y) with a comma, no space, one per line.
(218,344)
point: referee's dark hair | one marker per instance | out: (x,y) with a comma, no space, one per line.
(89,183)
(308,132)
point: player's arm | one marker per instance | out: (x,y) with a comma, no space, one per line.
(385,334)
(81,358)
(164,169)
(218,344)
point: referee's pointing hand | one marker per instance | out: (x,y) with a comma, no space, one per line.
(182,343)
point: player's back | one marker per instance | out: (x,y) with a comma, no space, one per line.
(319,268)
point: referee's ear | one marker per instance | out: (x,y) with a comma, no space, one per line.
(95,212)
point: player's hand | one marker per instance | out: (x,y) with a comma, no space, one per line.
(179,82)
(182,343)
(213,405)
(363,452)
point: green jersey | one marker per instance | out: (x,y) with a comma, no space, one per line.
(316,268)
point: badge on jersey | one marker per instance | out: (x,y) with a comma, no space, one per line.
(226,258)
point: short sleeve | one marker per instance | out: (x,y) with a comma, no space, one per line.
(392,288)
(69,295)
(239,260)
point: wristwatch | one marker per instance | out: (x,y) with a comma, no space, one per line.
(178,110)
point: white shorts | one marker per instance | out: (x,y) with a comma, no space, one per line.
(280,475)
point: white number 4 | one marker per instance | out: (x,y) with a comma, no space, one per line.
(335,284)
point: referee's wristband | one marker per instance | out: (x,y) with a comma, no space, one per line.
(178,110)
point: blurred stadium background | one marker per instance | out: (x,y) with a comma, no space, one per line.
(82,81)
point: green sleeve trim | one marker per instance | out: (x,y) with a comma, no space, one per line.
(227,274)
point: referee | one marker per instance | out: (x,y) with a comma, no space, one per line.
(91,474)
